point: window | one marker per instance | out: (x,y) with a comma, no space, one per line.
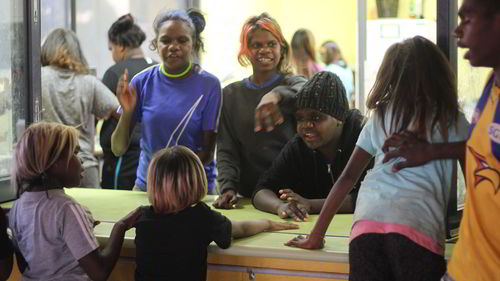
(15,84)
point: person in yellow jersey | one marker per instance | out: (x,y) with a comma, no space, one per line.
(476,255)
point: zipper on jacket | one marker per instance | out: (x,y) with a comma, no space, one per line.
(330,172)
(329,165)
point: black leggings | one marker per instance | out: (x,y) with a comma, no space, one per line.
(392,256)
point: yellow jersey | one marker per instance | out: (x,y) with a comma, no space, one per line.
(476,256)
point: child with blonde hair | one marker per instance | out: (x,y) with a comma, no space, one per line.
(398,230)
(173,233)
(52,232)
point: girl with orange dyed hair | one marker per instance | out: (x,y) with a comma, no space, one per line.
(253,104)
(173,234)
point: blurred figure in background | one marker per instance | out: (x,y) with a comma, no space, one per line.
(304,53)
(73,97)
(332,57)
(124,41)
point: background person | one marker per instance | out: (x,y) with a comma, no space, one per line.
(125,38)
(332,57)
(73,97)
(304,53)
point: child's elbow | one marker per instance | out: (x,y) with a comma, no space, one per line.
(117,151)
(117,148)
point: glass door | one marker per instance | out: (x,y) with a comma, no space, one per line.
(17,81)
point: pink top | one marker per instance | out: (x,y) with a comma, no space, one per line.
(369,226)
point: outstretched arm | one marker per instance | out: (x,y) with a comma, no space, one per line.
(268,113)
(355,167)
(247,228)
(99,263)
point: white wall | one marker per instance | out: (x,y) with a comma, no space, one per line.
(94,17)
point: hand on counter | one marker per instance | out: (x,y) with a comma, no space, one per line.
(289,195)
(227,200)
(294,210)
(297,207)
(307,242)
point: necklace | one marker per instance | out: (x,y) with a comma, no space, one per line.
(176,75)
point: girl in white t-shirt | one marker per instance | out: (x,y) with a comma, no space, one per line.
(52,232)
(398,227)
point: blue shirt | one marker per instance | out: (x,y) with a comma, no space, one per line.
(345,75)
(175,112)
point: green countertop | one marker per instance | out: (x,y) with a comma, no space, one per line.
(111,205)
(108,206)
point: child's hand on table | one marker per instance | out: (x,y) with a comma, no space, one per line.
(275,226)
(307,242)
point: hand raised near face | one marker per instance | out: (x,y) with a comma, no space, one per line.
(127,96)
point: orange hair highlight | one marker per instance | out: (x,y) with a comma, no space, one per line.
(265,22)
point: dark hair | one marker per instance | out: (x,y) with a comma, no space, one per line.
(415,82)
(264,22)
(126,33)
(491,7)
(192,17)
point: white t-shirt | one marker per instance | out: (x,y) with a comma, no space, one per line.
(52,232)
(415,197)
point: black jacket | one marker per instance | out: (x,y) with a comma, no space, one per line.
(306,171)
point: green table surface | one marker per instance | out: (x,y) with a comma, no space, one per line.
(111,205)
(108,206)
